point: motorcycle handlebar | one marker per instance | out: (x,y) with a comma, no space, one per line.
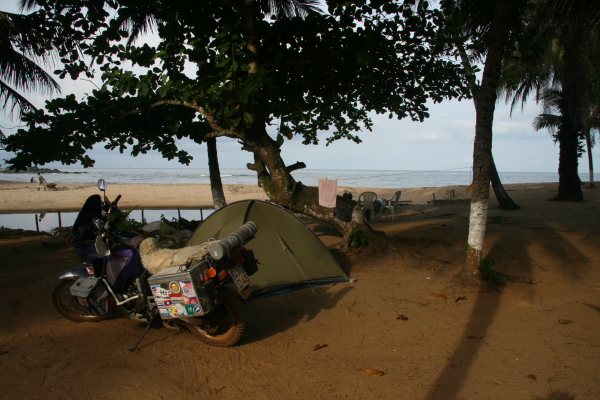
(243,234)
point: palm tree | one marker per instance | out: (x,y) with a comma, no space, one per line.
(494,22)
(563,58)
(22,46)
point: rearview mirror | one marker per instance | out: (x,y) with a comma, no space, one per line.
(102,184)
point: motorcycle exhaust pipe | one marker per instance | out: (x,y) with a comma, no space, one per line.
(242,235)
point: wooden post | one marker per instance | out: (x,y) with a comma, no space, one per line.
(59,220)
(143,219)
(201,216)
(179,213)
(433,197)
(37,226)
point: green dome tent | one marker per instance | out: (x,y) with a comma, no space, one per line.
(291,256)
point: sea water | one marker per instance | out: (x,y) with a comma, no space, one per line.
(354,178)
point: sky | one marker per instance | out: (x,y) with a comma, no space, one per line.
(443,141)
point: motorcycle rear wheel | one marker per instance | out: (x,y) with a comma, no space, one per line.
(224,326)
(67,306)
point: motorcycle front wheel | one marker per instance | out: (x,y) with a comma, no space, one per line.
(224,326)
(67,306)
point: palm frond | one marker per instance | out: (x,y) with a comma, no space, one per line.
(547,121)
(22,73)
(11,100)
(295,8)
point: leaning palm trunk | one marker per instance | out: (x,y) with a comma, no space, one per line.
(482,154)
(216,186)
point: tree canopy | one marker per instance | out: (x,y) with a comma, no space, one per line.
(321,72)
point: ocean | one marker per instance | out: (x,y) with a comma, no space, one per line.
(355,178)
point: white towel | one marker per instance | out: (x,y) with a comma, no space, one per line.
(328,192)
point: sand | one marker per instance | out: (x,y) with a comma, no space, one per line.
(522,341)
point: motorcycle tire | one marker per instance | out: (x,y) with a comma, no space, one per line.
(224,326)
(67,306)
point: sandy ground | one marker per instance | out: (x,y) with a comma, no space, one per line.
(459,342)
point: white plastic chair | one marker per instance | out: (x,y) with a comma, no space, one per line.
(366,200)
(393,202)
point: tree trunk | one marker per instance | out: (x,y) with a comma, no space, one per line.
(506,202)
(504,199)
(283,190)
(216,186)
(588,142)
(569,184)
(482,153)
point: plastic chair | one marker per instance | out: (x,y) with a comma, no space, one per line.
(366,199)
(393,202)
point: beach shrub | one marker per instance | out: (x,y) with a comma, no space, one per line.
(489,275)
(358,238)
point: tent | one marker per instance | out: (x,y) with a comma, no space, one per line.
(290,255)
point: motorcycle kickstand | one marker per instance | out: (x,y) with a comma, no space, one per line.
(143,334)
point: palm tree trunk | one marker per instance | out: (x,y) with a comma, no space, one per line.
(482,153)
(588,142)
(216,186)
(569,184)
(506,202)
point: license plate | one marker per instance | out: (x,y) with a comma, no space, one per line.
(240,277)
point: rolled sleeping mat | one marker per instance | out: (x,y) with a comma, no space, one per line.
(243,234)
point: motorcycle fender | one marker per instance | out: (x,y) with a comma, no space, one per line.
(74,274)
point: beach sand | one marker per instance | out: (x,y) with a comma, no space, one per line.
(537,340)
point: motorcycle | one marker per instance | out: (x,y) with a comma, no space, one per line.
(194,294)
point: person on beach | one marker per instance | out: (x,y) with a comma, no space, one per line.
(41,182)
(33,180)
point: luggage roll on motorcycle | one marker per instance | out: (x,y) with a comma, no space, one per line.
(126,275)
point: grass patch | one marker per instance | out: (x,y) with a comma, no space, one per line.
(489,275)
(8,233)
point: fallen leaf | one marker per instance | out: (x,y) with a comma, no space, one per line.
(565,321)
(402,317)
(442,296)
(372,372)
(458,300)
(532,377)
(319,346)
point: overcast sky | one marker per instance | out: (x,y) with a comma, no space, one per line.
(443,141)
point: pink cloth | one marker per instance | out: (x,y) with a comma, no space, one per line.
(328,192)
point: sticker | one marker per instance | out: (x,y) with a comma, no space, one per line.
(177,310)
(175,297)
(175,287)
(186,284)
(158,291)
(90,270)
(185,300)
(192,310)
